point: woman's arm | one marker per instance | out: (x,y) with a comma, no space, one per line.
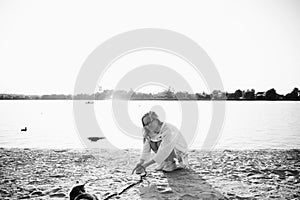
(139,166)
(146,152)
(164,150)
(147,164)
(167,145)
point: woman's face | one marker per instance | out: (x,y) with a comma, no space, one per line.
(151,125)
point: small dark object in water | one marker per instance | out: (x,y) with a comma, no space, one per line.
(95,139)
(78,192)
(89,102)
(24,129)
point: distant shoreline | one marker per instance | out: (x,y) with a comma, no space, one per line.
(168,95)
(147,100)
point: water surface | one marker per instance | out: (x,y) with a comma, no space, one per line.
(248,125)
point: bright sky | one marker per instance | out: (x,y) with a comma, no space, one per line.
(254,44)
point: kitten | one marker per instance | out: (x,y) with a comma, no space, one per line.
(78,193)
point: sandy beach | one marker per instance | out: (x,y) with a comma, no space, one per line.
(50,174)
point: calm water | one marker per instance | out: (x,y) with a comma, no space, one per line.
(248,125)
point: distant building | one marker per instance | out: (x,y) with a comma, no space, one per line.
(231,96)
(260,95)
(218,95)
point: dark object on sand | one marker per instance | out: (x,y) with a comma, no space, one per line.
(78,193)
(95,139)
(24,129)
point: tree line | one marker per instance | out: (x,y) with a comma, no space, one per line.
(168,94)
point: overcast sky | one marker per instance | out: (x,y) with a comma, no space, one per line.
(253,44)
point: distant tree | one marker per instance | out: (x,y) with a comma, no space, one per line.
(271,94)
(185,96)
(202,96)
(141,96)
(120,94)
(45,96)
(294,95)
(131,93)
(181,95)
(108,94)
(192,96)
(238,94)
(249,94)
(206,96)
(78,97)
(168,94)
(218,95)
(296,90)
(230,96)
(199,96)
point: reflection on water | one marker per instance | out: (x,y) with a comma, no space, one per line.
(50,124)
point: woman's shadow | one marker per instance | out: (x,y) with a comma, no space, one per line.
(179,184)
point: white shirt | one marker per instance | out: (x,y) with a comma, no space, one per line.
(171,139)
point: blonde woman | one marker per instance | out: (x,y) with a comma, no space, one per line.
(166,141)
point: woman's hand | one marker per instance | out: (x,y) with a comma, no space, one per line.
(139,168)
(138,165)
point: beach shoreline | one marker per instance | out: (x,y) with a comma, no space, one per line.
(28,173)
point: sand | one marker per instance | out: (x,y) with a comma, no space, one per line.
(50,174)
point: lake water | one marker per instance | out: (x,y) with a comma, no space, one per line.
(50,124)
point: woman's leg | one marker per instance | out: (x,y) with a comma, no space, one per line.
(171,156)
(155,145)
(169,163)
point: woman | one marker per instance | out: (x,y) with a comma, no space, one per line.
(166,141)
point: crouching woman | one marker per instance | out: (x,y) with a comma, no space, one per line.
(166,141)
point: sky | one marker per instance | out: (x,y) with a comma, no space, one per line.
(253,44)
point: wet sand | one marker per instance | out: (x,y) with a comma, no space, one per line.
(50,174)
